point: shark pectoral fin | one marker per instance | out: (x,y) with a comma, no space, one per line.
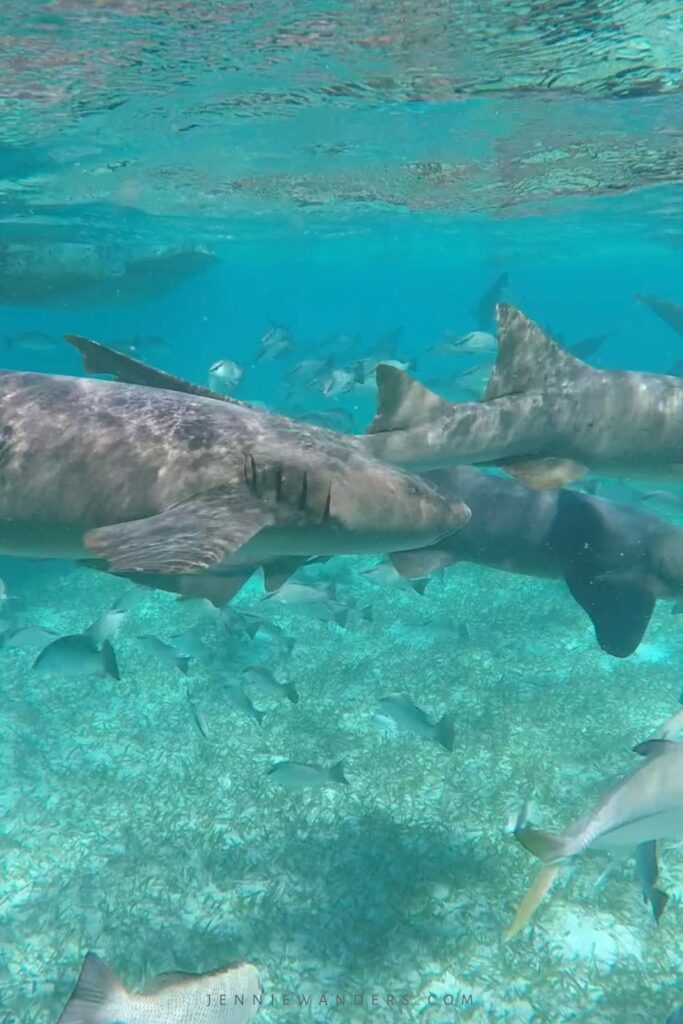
(403,402)
(414,565)
(619,608)
(535,896)
(186,537)
(546,474)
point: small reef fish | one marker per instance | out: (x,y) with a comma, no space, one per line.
(275,343)
(263,680)
(30,341)
(228,995)
(670,312)
(588,346)
(486,306)
(238,699)
(385,575)
(77,655)
(165,653)
(643,808)
(302,776)
(409,717)
(474,343)
(107,625)
(225,375)
(27,636)
(318,602)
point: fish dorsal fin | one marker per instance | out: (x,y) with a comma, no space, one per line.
(654,748)
(528,359)
(403,402)
(98,358)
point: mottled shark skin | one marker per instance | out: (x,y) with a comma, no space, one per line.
(615,559)
(165,482)
(547,417)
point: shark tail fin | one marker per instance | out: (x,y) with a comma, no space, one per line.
(527,358)
(403,402)
(98,994)
(549,847)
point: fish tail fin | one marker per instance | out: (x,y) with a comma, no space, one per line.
(291,693)
(183,663)
(109,662)
(527,358)
(97,996)
(403,402)
(549,847)
(337,773)
(444,732)
(367,613)
(658,900)
(342,617)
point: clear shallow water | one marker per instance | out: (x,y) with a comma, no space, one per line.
(344,170)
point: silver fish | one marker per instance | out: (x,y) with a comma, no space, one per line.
(165,653)
(228,995)
(301,776)
(646,806)
(474,343)
(275,343)
(106,626)
(262,679)
(225,375)
(30,341)
(240,702)
(409,717)
(77,655)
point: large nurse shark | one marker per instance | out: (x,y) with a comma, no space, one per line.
(615,559)
(546,417)
(144,480)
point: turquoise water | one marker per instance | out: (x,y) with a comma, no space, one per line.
(197,172)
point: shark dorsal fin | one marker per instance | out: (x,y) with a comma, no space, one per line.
(528,359)
(99,358)
(403,402)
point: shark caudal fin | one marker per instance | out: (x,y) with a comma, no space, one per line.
(403,402)
(98,995)
(528,359)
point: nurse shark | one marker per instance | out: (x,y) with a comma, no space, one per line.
(615,559)
(546,416)
(144,480)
